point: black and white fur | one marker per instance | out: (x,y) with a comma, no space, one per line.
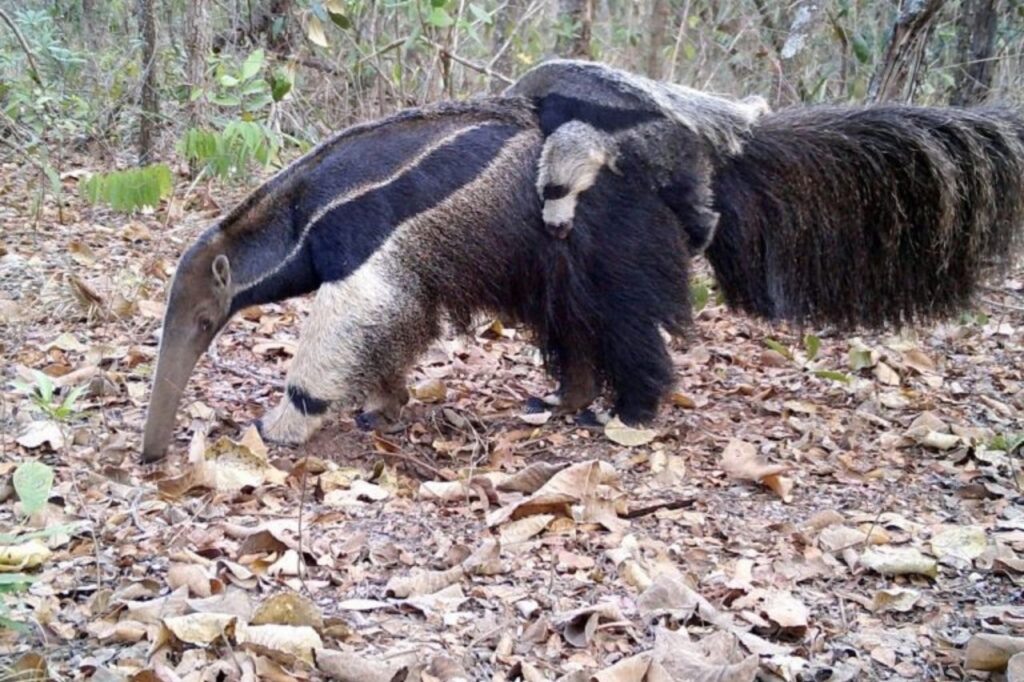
(846,215)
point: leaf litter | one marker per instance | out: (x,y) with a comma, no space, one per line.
(847,508)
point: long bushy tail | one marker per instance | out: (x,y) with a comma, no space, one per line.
(869,216)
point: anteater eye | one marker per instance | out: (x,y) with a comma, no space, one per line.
(205,324)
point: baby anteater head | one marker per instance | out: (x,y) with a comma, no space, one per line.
(572,157)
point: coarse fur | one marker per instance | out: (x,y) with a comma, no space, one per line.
(588,111)
(848,216)
(868,216)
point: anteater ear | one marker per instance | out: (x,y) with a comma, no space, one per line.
(222,273)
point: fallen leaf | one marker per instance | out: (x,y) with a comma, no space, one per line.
(899,561)
(295,640)
(617,432)
(963,543)
(895,599)
(38,433)
(200,629)
(987,651)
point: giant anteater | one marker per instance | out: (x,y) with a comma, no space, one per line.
(850,216)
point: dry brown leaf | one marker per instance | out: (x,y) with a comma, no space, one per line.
(716,658)
(786,611)
(895,599)
(31,667)
(445,669)
(530,479)
(349,667)
(39,433)
(1015,668)
(576,484)
(423,582)
(516,532)
(632,669)
(741,461)
(899,561)
(429,391)
(155,610)
(289,608)
(617,432)
(200,629)
(959,543)
(987,651)
(191,576)
(579,625)
(299,641)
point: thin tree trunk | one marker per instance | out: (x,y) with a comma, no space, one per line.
(656,29)
(900,69)
(198,41)
(581,15)
(150,100)
(976,44)
(504,25)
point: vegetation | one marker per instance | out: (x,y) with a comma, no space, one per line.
(228,85)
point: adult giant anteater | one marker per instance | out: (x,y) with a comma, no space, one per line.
(851,216)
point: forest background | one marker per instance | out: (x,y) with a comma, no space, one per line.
(230,85)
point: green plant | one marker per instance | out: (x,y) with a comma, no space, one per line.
(13,583)
(129,190)
(33,482)
(1007,442)
(43,394)
(230,152)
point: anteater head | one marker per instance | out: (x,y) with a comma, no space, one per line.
(198,306)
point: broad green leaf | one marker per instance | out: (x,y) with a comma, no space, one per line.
(699,295)
(834,376)
(252,65)
(281,85)
(32,483)
(438,3)
(228,81)
(440,18)
(861,49)
(779,348)
(340,20)
(812,344)
(860,358)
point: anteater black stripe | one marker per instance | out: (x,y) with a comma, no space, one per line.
(305,403)
(352,232)
(554,191)
(555,109)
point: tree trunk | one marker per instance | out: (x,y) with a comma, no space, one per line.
(504,25)
(656,30)
(899,71)
(150,101)
(976,44)
(581,15)
(198,41)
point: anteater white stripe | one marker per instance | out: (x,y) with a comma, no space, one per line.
(352,195)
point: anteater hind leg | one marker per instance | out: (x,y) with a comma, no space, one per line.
(363,334)
(639,369)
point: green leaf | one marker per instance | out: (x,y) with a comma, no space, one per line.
(699,295)
(32,483)
(440,18)
(861,49)
(252,65)
(438,3)
(15,581)
(227,100)
(859,358)
(280,86)
(779,348)
(834,376)
(340,20)
(812,344)
(228,81)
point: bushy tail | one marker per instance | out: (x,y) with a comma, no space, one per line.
(869,216)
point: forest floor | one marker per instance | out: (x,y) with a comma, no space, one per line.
(852,515)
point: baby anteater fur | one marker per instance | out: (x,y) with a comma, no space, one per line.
(846,216)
